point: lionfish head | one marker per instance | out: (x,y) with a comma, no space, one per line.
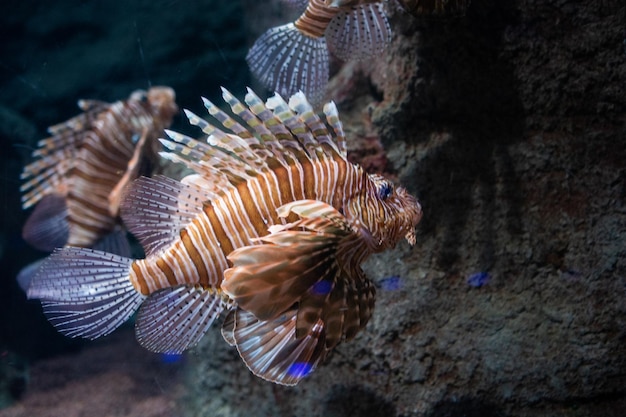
(161,100)
(390,213)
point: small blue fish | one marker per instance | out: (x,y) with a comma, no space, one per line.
(478,279)
(171,357)
(300,369)
(392,283)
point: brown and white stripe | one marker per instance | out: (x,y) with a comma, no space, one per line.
(315,19)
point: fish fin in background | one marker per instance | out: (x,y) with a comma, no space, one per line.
(56,156)
(271,351)
(84,121)
(285,60)
(89,106)
(115,242)
(174,319)
(47,226)
(360,33)
(84,292)
(267,279)
(156,209)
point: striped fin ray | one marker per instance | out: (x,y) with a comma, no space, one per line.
(83,121)
(155,210)
(46,174)
(262,127)
(242,111)
(174,319)
(360,33)
(227,121)
(278,133)
(285,60)
(287,118)
(261,110)
(211,162)
(295,121)
(308,117)
(85,292)
(332,116)
(237,147)
(271,351)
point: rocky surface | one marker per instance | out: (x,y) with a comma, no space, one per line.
(508,123)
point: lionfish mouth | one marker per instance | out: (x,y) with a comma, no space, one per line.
(413,211)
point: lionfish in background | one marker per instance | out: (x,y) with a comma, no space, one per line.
(272,226)
(80,171)
(294,57)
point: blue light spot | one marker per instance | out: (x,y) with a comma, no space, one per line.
(392,283)
(322,287)
(478,279)
(300,369)
(171,357)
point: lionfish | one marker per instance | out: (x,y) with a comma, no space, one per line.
(272,226)
(80,171)
(294,57)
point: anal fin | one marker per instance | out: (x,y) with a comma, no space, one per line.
(175,319)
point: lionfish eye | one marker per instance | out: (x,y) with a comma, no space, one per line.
(385,190)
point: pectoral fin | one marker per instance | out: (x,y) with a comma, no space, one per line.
(267,279)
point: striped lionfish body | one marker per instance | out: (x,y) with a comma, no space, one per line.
(80,170)
(294,57)
(272,227)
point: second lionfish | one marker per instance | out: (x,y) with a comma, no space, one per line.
(295,56)
(272,227)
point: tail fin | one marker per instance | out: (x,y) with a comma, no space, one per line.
(85,292)
(286,61)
